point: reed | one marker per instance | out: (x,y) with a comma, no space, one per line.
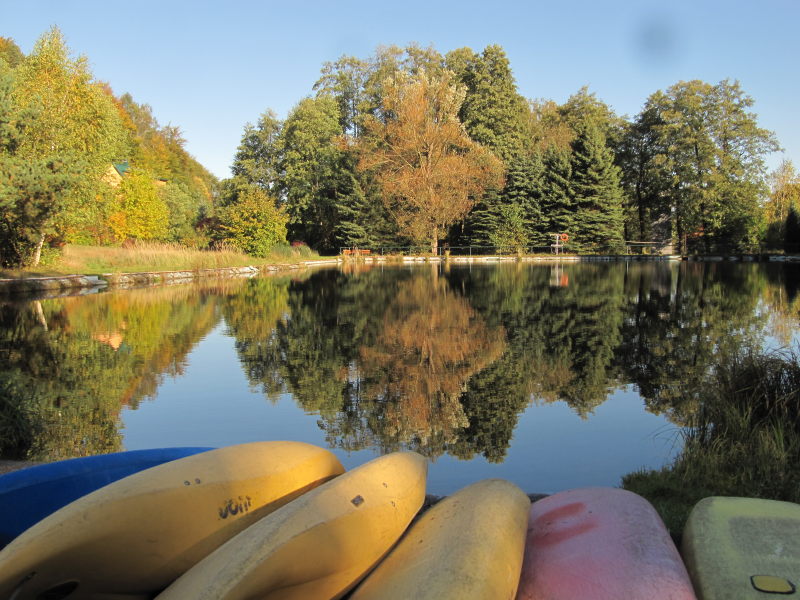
(154,256)
(744,440)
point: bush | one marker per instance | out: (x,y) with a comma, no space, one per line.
(253,223)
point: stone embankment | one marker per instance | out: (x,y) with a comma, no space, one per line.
(69,285)
(84,284)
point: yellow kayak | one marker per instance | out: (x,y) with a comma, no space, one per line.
(138,534)
(467,547)
(742,548)
(320,545)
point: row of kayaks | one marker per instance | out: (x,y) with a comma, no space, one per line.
(283,520)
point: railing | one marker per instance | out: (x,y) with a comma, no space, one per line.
(632,248)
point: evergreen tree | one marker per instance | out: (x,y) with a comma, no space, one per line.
(791,244)
(493,112)
(598,218)
(557,195)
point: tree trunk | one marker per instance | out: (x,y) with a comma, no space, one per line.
(37,254)
(435,241)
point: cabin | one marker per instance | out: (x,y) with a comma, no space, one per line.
(115,172)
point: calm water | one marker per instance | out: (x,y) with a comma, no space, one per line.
(552,377)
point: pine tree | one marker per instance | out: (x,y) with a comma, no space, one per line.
(791,243)
(557,204)
(598,217)
(493,111)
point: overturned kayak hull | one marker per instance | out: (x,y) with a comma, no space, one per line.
(320,545)
(469,546)
(743,548)
(138,534)
(29,495)
(603,544)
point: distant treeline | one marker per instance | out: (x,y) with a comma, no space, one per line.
(79,164)
(407,147)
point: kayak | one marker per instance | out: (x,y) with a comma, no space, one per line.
(138,534)
(468,546)
(741,548)
(603,544)
(27,496)
(319,546)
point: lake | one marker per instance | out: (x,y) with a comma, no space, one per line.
(551,376)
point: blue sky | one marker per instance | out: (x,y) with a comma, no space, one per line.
(210,67)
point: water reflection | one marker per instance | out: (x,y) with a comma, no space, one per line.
(70,364)
(439,359)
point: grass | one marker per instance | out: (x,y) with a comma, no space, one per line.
(744,440)
(151,256)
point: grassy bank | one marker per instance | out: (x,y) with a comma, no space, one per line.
(744,439)
(150,256)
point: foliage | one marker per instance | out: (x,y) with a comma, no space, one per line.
(141,213)
(791,244)
(253,224)
(493,112)
(712,150)
(429,170)
(256,160)
(32,190)
(184,213)
(598,221)
(10,52)
(77,123)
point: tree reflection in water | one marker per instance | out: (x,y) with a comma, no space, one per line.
(441,359)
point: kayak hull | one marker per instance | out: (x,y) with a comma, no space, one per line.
(29,495)
(469,546)
(742,548)
(603,544)
(138,534)
(320,545)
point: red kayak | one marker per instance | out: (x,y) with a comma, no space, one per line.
(600,543)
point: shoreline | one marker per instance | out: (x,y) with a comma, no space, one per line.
(60,285)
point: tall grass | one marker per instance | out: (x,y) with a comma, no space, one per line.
(153,256)
(743,441)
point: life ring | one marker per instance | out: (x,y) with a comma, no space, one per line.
(564,237)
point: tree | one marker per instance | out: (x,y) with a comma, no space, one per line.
(714,153)
(645,180)
(10,52)
(77,123)
(141,213)
(184,213)
(598,218)
(345,80)
(791,244)
(428,168)
(256,160)
(784,192)
(310,165)
(32,191)
(493,112)
(254,224)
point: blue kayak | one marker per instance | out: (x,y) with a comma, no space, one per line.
(29,495)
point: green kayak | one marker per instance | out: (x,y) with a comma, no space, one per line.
(743,548)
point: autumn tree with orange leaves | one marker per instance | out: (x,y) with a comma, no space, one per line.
(429,170)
